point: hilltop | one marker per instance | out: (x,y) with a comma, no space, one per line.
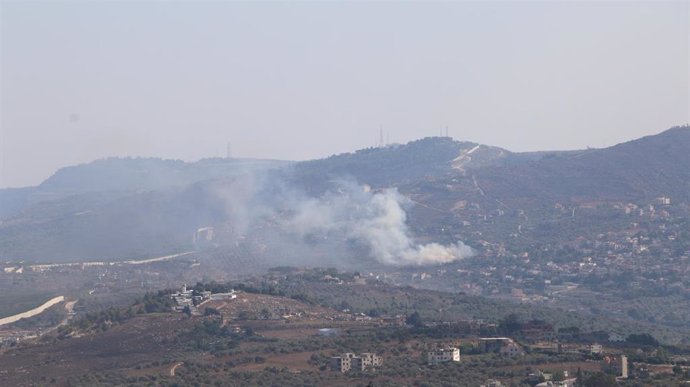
(117,208)
(121,176)
(640,169)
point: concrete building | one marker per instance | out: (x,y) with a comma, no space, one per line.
(443,355)
(350,361)
(534,331)
(503,345)
(365,361)
(596,349)
(342,363)
(563,383)
(511,349)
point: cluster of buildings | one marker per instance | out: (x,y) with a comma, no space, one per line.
(189,299)
(637,232)
(648,235)
(350,361)
(505,346)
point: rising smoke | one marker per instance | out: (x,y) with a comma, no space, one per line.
(347,214)
(376,219)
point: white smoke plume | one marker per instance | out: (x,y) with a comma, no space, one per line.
(330,225)
(376,219)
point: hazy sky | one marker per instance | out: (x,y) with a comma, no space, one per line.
(85,80)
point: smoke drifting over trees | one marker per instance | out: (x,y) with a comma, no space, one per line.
(348,214)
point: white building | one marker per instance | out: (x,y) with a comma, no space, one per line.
(443,355)
(663,200)
(624,367)
(328,332)
(596,349)
(564,383)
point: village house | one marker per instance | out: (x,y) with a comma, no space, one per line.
(596,349)
(350,361)
(511,349)
(503,345)
(342,363)
(534,331)
(443,355)
(185,298)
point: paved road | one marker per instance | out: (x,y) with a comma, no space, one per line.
(172,370)
(32,312)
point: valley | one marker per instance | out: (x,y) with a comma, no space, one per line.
(394,251)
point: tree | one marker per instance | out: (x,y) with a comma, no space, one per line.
(573,331)
(510,324)
(415,320)
(246,315)
(642,339)
(600,379)
(345,306)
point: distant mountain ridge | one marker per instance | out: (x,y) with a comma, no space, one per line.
(125,175)
(644,168)
(116,208)
(146,174)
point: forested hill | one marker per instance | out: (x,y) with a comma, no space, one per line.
(641,169)
(123,175)
(113,208)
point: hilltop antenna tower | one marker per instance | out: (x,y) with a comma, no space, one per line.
(228,152)
(381,137)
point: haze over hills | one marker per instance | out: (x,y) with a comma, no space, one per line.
(124,175)
(588,246)
(116,208)
(639,169)
(546,243)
